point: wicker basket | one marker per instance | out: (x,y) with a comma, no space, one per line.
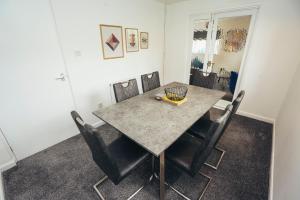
(177,93)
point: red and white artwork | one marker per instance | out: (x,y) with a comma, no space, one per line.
(132,39)
(112,41)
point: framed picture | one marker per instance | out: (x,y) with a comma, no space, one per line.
(132,39)
(144,40)
(112,41)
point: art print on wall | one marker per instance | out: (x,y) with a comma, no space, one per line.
(132,39)
(112,41)
(144,40)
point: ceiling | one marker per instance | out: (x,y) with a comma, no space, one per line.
(170,1)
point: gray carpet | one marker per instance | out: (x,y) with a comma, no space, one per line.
(66,170)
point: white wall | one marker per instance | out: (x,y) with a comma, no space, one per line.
(287,147)
(78,26)
(269,65)
(30,44)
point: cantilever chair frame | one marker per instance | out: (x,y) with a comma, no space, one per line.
(181,194)
(105,178)
(215,167)
(229,109)
(237,101)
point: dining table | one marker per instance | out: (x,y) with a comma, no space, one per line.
(156,125)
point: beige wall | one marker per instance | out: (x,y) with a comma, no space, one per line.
(287,147)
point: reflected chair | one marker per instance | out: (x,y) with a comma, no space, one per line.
(201,127)
(150,81)
(199,79)
(125,90)
(117,160)
(189,153)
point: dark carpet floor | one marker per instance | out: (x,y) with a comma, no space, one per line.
(66,170)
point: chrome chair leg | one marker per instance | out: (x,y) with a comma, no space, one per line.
(144,185)
(181,194)
(103,179)
(219,161)
(97,184)
(209,180)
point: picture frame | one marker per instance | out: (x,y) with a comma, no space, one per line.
(112,41)
(144,40)
(131,39)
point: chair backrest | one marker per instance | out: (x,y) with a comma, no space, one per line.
(150,81)
(125,90)
(216,131)
(233,80)
(236,103)
(199,79)
(99,149)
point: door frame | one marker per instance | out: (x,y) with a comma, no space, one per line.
(13,161)
(192,18)
(233,12)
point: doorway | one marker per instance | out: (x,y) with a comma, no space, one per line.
(219,47)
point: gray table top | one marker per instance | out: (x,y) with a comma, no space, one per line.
(155,125)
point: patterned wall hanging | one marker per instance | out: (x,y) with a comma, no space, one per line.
(235,40)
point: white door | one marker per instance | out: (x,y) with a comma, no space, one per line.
(36,99)
(241,20)
(201,28)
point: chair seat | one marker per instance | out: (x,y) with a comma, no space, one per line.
(201,127)
(183,151)
(127,154)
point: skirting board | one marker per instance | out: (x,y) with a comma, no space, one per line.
(251,115)
(271,180)
(257,117)
(4,167)
(8,165)
(2,195)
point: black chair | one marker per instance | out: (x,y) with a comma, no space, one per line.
(189,153)
(117,159)
(201,127)
(150,81)
(199,79)
(236,103)
(125,90)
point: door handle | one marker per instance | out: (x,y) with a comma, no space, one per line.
(61,77)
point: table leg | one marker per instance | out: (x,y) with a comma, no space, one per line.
(162,176)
